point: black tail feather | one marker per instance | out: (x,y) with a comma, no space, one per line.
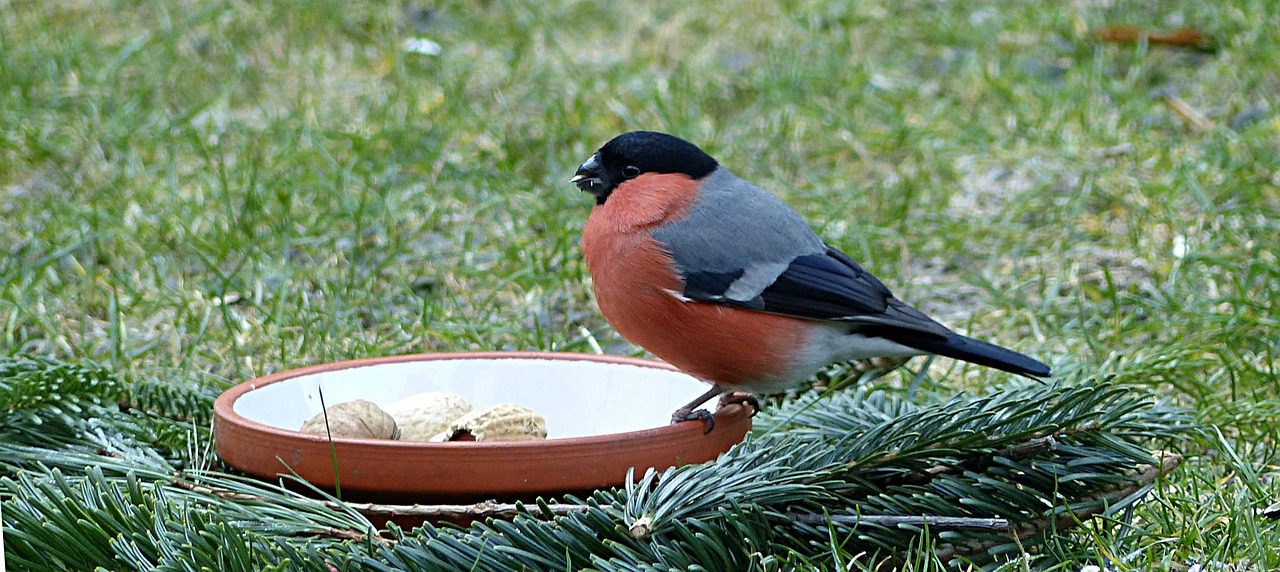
(975,351)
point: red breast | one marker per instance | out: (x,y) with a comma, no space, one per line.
(637,289)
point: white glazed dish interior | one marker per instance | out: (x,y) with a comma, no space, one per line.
(578,398)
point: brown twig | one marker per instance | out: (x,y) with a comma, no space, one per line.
(478,510)
(217,492)
(338,533)
(490,509)
(1189,115)
(486,509)
(640,527)
(1183,38)
(935,523)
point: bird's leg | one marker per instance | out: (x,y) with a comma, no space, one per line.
(690,411)
(740,398)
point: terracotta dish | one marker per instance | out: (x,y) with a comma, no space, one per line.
(604,415)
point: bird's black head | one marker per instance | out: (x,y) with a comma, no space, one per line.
(635,153)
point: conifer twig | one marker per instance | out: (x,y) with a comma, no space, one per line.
(936,523)
(480,510)
(491,509)
(1147,475)
(1025,450)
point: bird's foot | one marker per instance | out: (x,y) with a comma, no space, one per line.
(740,398)
(886,364)
(682,415)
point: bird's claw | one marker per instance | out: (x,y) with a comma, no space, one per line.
(695,415)
(741,398)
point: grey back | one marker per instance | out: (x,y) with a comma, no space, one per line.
(735,226)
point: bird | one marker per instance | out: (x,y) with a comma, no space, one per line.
(721,279)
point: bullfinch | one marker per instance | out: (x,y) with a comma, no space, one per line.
(721,279)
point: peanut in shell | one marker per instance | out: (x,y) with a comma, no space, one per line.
(502,422)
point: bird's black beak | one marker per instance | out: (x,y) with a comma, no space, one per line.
(588,177)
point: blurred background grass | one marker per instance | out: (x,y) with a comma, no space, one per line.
(212,190)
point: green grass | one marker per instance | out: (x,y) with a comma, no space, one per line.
(215,190)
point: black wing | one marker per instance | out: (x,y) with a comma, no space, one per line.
(826,286)
(831,286)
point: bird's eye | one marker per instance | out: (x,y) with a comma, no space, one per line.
(630,171)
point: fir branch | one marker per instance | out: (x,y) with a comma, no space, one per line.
(1028,449)
(812,462)
(1075,515)
(27,383)
(861,461)
(61,407)
(180,399)
(56,522)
